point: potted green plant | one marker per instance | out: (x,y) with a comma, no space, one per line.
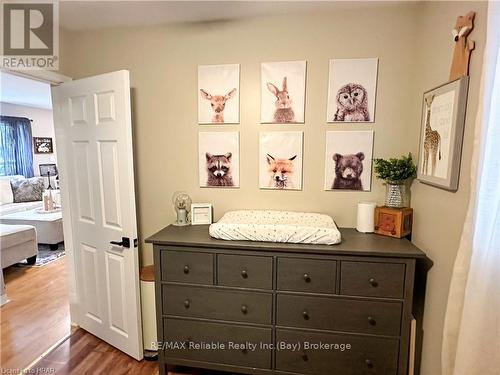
(398,173)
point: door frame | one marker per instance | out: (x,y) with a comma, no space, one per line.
(55,79)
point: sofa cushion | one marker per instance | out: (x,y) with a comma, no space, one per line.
(10,208)
(28,189)
(6,190)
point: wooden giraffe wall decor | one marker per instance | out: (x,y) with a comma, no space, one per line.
(463,46)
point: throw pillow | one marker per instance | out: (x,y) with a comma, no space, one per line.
(27,190)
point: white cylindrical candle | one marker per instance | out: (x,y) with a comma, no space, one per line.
(366,217)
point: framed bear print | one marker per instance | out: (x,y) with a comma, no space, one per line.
(219,159)
(219,94)
(348,160)
(441,134)
(352,90)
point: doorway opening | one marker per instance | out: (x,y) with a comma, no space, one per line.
(35,313)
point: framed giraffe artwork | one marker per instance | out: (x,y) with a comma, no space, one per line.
(441,134)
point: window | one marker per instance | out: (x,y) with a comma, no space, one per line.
(16,155)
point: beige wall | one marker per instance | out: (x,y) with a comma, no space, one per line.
(439,214)
(42,126)
(163,66)
(414,46)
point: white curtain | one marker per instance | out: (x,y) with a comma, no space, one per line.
(471,339)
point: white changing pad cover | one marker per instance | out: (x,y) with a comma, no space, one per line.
(276,226)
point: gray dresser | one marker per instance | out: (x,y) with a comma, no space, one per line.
(269,308)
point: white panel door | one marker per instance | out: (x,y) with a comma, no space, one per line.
(94,141)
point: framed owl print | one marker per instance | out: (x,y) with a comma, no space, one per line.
(352,90)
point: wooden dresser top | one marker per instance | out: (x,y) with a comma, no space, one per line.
(353,243)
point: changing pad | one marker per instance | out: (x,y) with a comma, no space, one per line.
(276,226)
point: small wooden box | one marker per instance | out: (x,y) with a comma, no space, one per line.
(393,222)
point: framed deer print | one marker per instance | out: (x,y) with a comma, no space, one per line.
(441,134)
(219,94)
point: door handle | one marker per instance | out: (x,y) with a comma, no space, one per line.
(125,242)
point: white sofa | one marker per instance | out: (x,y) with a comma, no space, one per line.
(7,205)
(17,242)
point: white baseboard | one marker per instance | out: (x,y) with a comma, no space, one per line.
(4,299)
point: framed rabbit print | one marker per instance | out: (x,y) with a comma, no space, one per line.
(283,91)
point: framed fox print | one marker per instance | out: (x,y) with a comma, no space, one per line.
(280,160)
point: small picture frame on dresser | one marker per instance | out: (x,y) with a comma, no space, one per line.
(201,213)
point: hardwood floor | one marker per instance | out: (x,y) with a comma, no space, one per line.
(37,315)
(84,353)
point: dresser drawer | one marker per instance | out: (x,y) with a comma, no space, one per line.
(191,333)
(372,279)
(245,271)
(339,314)
(306,275)
(367,355)
(187,267)
(211,303)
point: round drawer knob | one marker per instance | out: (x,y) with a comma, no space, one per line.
(244,274)
(369,363)
(373,282)
(186,269)
(305,358)
(305,315)
(307,278)
(244,309)
(372,321)
(187,304)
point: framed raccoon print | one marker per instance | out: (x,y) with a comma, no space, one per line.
(348,160)
(352,90)
(280,160)
(219,159)
(283,92)
(219,94)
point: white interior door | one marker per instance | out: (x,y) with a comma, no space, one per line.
(94,140)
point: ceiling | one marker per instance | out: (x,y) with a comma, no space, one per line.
(91,15)
(23,91)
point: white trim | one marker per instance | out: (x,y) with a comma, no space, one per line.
(4,299)
(47,76)
(45,353)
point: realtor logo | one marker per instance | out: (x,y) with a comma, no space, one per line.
(30,35)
